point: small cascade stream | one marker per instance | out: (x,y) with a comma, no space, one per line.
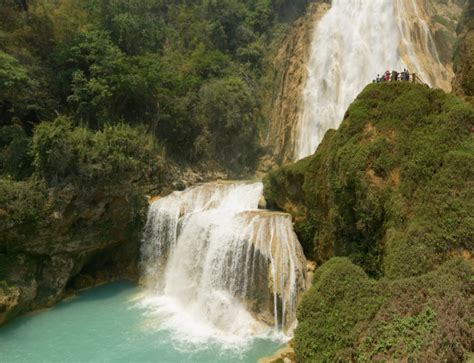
(216,267)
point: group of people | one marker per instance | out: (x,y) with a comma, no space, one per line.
(393,76)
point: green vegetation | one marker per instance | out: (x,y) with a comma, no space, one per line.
(169,68)
(392,191)
(346,316)
(391,188)
(116,153)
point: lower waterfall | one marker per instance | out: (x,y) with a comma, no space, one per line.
(218,268)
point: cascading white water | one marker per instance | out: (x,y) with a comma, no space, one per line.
(352,43)
(355,40)
(218,268)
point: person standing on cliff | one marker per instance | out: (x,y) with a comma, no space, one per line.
(394,76)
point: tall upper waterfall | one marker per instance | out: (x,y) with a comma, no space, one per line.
(353,42)
(216,267)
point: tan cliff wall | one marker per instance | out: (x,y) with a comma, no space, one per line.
(289,76)
(431,32)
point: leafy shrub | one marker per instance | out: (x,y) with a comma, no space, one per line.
(118,152)
(345,316)
(15,158)
(228,113)
(23,206)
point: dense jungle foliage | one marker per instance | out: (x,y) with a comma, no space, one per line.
(187,72)
(99,97)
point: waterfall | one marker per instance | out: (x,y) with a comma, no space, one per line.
(217,267)
(352,43)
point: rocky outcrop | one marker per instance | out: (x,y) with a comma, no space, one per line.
(431,27)
(463,84)
(283,355)
(289,76)
(372,192)
(76,241)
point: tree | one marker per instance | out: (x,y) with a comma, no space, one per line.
(230,123)
(102,84)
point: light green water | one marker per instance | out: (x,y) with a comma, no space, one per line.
(104,325)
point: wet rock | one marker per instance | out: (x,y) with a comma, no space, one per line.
(289,79)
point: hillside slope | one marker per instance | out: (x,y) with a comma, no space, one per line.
(392,190)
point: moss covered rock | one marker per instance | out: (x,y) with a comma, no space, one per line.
(392,188)
(392,192)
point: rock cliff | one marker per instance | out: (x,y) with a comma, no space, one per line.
(69,240)
(289,76)
(431,28)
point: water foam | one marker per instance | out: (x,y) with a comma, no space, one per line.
(217,269)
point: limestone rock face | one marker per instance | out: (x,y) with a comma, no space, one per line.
(432,32)
(93,238)
(289,79)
